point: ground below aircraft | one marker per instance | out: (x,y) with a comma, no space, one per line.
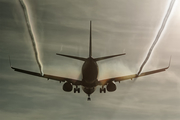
(89,74)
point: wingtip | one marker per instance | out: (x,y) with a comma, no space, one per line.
(169,62)
(11,64)
(12,68)
(123,53)
(59,54)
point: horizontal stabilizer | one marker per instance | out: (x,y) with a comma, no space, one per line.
(107,57)
(74,57)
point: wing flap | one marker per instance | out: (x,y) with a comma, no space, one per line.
(52,77)
(27,72)
(116,79)
(152,72)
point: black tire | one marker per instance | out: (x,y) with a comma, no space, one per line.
(78,90)
(104,90)
(74,90)
(89,99)
(100,90)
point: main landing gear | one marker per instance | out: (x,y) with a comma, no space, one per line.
(76,89)
(102,89)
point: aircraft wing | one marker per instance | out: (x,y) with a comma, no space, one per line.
(118,79)
(52,77)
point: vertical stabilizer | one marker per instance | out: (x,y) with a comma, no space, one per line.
(90,41)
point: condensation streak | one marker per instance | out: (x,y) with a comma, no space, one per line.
(158,35)
(36,53)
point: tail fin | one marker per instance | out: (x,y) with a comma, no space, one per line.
(90,48)
(90,41)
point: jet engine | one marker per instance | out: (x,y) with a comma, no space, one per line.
(67,87)
(111,87)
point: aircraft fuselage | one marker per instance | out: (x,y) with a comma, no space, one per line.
(89,75)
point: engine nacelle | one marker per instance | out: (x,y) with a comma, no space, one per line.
(111,87)
(67,87)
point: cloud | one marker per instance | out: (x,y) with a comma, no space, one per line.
(117,25)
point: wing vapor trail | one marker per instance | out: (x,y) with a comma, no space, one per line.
(158,35)
(28,23)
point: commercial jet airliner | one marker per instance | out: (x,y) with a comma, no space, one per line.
(89,74)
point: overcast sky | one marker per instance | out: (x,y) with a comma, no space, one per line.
(62,26)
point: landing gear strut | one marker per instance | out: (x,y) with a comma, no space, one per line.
(89,99)
(102,89)
(76,89)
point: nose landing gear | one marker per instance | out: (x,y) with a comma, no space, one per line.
(88,99)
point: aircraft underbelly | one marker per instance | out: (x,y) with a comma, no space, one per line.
(90,71)
(88,90)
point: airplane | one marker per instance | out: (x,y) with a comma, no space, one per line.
(89,74)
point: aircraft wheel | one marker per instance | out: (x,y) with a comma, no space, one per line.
(78,90)
(100,90)
(74,90)
(104,90)
(89,99)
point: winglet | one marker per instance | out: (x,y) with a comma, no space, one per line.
(10,62)
(169,62)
